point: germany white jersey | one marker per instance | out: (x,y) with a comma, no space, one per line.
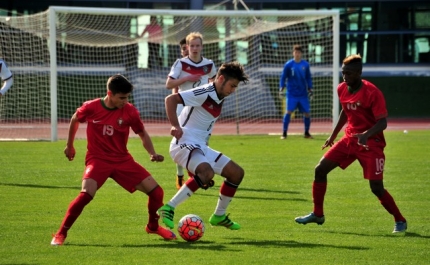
(202,107)
(5,73)
(6,76)
(184,67)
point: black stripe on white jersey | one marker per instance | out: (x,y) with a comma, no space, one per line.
(203,90)
(188,117)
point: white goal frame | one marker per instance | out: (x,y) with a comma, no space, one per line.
(52,42)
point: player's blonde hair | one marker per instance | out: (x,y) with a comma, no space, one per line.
(194,35)
(353,61)
(353,58)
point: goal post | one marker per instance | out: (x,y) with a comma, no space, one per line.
(64,56)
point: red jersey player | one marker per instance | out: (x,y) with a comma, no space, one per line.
(364,111)
(109,121)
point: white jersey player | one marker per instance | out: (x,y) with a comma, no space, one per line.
(6,76)
(203,106)
(189,72)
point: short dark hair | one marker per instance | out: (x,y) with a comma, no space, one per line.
(182,42)
(233,70)
(297,47)
(119,84)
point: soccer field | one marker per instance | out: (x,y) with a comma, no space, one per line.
(37,183)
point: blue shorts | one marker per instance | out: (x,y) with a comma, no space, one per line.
(301,103)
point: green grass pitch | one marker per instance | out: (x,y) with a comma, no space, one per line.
(37,183)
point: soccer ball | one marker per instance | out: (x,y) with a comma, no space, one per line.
(191,227)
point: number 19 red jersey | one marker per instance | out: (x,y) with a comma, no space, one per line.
(108,129)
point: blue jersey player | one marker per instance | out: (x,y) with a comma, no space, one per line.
(299,89)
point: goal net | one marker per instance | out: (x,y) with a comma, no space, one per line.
(64,56)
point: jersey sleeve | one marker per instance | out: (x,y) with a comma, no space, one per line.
(308,76)
(5,73)
(379,108)
(194,97)
(84,111)
(136,123)
(284,75)
(213,72)
(176,69)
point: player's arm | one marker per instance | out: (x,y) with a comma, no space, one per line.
(339,125)
(175,90)
(70,151)
(7,77)
(149,147)
(172,83)
(282,80)
(379,126)
(309,81)
(171,102)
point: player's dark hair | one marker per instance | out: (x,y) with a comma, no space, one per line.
(297,48)
(119,84)
(233,70)
(182,42)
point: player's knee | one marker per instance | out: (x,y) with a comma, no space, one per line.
(320,173)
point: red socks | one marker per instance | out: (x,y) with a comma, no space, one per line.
(318,193)
(73,212)
(228,189)
(155,201)
(390,205)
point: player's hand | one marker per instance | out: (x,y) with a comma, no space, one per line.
(362,140)
(310,94)
(193,78)
(157,158)
(281,93)
(176,132)
(70,152)
(328,143)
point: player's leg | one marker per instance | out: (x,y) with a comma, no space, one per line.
(132,176)
(334,157)
(291,104)
(179,169)
(179,176)
(233,175)
(191,157)
(373,167)
(304,107)
(95,174)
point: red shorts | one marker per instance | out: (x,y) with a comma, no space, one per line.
(347,150)
(128,174)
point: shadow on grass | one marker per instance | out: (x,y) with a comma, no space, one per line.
(39,186)
(265,191)
(254,198)
(406,234)
(210,245)
(293,244)
(176,244)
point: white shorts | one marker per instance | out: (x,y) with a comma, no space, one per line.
(190,156)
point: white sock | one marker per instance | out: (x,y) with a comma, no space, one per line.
(223,202)
(179,170)
(182,195)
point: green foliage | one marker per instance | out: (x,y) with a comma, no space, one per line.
(37,183)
